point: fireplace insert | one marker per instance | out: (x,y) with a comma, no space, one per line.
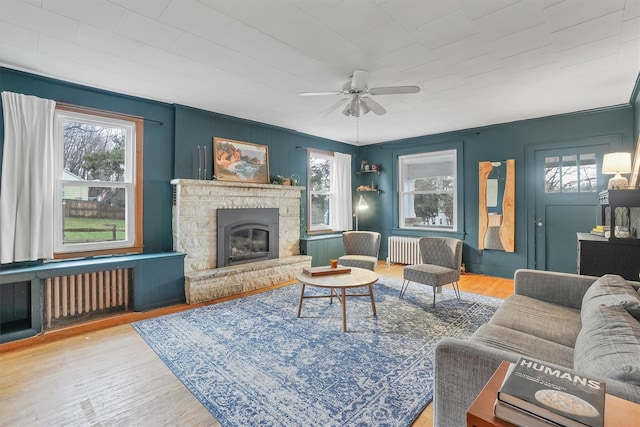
(247,235)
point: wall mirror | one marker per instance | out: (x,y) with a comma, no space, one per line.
(496,205)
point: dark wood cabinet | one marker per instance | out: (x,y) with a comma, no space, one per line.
(598,256)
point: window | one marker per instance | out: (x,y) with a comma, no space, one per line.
(320,165)
(99,180)
(428,191)
(570,174)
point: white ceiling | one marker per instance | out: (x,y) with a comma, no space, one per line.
(478,62)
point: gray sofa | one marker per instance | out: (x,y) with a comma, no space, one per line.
(584,323)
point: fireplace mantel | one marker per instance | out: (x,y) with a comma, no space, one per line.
(194,210)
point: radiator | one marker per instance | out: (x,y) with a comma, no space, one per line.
(404,250)
(82,294)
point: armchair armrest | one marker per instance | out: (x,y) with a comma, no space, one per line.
(559,288)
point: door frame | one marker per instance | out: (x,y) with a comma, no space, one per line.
(615,142)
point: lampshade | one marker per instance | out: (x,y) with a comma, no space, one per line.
(617,163)
(362,203)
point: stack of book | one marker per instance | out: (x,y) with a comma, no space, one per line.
(534,394)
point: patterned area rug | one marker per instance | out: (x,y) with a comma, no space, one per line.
(251,361)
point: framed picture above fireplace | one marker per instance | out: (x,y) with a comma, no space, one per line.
(240,161)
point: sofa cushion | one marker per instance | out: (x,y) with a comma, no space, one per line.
(507,339)
(608,346)
(534,317)
(611,289)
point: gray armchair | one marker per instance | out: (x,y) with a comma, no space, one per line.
(361,249)
(441,263)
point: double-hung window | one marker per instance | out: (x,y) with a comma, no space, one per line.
(98,206)
(428,191)
(321,200)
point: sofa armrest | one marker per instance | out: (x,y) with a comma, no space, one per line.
(462,369)
(558,288)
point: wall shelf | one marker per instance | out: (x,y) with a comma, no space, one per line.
(371,190)
(360,172)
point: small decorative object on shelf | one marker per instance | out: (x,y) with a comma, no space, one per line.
(373,187)
(376,168)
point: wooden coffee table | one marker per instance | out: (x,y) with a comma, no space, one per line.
(357,278)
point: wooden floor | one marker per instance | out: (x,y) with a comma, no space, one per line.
(104,374)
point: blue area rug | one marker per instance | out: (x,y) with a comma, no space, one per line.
(252,362)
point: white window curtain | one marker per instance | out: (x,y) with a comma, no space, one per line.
(341,211)
(27,187)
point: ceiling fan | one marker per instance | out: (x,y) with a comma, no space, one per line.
(355,99)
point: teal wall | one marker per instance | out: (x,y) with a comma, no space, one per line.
(498,142)
(172,133)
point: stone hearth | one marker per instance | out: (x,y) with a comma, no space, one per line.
(195,234)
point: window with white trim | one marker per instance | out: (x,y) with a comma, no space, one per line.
(98,170)
(321,198)
(428,191)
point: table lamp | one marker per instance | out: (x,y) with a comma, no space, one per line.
(617,163)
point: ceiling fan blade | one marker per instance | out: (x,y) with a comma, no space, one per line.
(392,90)
(373,105)
(359,80)
(332,107)
(320,93)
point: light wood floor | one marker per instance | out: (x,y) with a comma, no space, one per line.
(104,374)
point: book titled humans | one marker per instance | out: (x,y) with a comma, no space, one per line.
(555,394)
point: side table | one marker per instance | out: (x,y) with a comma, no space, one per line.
(617,412)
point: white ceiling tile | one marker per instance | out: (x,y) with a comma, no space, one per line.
(589,52)
(461,50)
(407,57)
(352,19)
(476,66)
(573,12)
(632,9)
(385,39)
(630,30)
(18,36)
(510,20)
(596,29)
(521,42)
(65,50)
(530,59)
(475,9)
(630,50)
(446,30)
(103,41)
(145,30)
(413,14)
(97,13)
(151,8)
(37,19)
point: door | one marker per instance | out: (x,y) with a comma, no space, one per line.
(567,182)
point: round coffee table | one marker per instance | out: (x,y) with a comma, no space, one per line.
(357,278)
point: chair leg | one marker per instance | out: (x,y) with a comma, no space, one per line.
(456,289)
(434,295)
(403,289)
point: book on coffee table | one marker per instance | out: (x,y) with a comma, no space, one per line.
(326,270)
(554,394)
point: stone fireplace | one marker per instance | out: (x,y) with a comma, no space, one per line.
(196,212)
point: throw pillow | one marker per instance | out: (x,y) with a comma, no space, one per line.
(611,289)
(608,345)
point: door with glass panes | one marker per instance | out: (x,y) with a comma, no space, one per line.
(567,182)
